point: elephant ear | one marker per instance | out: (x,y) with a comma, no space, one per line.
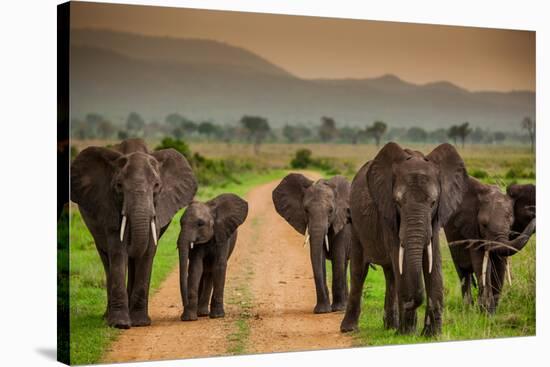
(452,178)
(342,189)
(179,184)
(380,180)
(288,199)
(91,173)
(229,212)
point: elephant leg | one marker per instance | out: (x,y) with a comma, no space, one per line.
(131,275)
(466,286)
(139,298)
(118,315)
(391,307)
(498,277)
(433,320)
(105,261)
(339,281)
(359,271)
(195,274)
(485,298)
(205,292)
(218,275)
(319,276)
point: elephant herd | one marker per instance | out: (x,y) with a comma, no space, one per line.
(390,215)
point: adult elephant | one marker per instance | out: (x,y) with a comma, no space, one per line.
(320,211)
(484,232)
(398,202)
(127,197)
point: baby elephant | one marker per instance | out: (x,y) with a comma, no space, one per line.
(320,211)
(206,241)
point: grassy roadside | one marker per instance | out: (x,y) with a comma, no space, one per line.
(515,315)
(89,334)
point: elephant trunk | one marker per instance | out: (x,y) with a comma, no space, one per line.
(183,250)
(317,243)
(142,224)
(516,245)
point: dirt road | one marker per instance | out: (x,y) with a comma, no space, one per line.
(270,297)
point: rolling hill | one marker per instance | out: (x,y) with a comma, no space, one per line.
(114,73)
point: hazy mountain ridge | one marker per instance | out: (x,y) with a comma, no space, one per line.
(113,73)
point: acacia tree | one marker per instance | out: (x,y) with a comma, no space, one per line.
(531,127)
(135,124)
(460,131)
(377,130)
(257,128)
(327,130)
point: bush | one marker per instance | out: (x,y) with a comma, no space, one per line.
(479,173)
(302,159)
(517,172)
(176,144)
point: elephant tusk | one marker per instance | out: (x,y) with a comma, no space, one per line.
(191,245)
(484,267)
(326,241)
(430,258)
(508,273)
(306,238)
(154,231)
(401,256)
(122,228)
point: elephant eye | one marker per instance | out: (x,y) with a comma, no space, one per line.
(432,204)
(118,186)
(200,223)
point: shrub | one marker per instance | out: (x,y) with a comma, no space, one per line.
(479,173)
(302,159)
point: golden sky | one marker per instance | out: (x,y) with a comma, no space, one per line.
(312,47)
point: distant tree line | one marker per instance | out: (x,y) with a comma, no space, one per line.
(257,130)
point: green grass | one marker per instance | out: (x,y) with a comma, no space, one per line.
(515,315)
(90,335)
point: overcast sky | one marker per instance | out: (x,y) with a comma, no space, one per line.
(312,47)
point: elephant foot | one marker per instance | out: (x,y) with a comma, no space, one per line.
(119,320)
(188,316)
(322,308)
(338,306)
(217,313)
(431,330)
(391,320)
(140,318)
(348,326)
(203,311)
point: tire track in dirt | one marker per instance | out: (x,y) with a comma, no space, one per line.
(269,300)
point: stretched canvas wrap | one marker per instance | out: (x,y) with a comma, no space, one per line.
(235,183)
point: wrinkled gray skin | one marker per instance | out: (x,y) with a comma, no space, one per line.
(323,207)
(145,186)
(488,214)
(212,228)
(402,198)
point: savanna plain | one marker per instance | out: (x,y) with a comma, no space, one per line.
(237,168)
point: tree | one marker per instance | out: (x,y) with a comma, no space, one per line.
(460,131)
(499,136)
(417,134)
(295,133)
(463,131)
(531,127)
(453,133)
(377,129)
(257,128)
(438,136)
(206,128)
(327,130)
(134,124)
(349,134)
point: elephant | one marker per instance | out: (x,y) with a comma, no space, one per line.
(481,236)
(398,203)
(320,211)
(127,197)
(525,197)
(207,239)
